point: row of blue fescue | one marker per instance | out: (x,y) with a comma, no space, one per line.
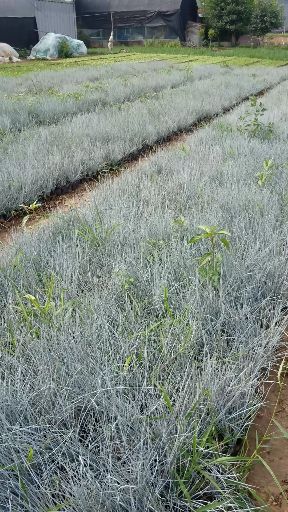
(40,104)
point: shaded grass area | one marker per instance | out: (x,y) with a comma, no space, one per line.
(98,57)
(128,378)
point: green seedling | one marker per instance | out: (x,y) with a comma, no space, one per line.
(30,210)
(210,263)
(266,174)
(179,221)
(251,121)
(184,148)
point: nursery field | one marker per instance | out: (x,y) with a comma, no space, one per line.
(135,331)
(57,129)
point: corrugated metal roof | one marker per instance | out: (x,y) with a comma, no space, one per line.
(95,6)
(22,8)
(17,8)
(57,17)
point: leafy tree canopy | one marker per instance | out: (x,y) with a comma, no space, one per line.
(233,16)
(266,16)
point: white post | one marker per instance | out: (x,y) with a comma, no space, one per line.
(111,38)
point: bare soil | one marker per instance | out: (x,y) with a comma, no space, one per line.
(274,450)
(277,40)
(79,196)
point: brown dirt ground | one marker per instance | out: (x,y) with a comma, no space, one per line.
(274,450)
(277,40)
(72,199)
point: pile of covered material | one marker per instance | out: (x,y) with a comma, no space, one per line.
(49,45)
(8,54)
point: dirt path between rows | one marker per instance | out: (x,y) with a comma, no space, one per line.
(269,477)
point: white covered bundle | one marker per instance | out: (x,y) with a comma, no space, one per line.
(7,53)
(48,47)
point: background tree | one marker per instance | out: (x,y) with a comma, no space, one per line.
(233,16)
(266,16)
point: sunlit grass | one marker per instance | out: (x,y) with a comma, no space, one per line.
(98,57)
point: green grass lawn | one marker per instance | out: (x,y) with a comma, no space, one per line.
(261,53)
(270,56)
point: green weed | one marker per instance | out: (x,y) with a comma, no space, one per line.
(184,148)
(19,469)
(251,121)
(266,175)
(179,222)
(46,309)
(193,466)
(210,263)
(97,234)
(256,457)
(224,127)
(155,249)
(30,210)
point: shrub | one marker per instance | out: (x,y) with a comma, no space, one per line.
(82,36)
(230,15)
(212,35)
(162,43)
(267,15)
(251,121)
(64,50)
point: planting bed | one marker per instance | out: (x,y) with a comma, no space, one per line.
(128,374)
(38,160)
(48,98)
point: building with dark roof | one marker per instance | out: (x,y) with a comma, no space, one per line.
(22,22)
(133,20)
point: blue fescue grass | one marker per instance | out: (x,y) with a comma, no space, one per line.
(42,159)
(127,379)
(35,104)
